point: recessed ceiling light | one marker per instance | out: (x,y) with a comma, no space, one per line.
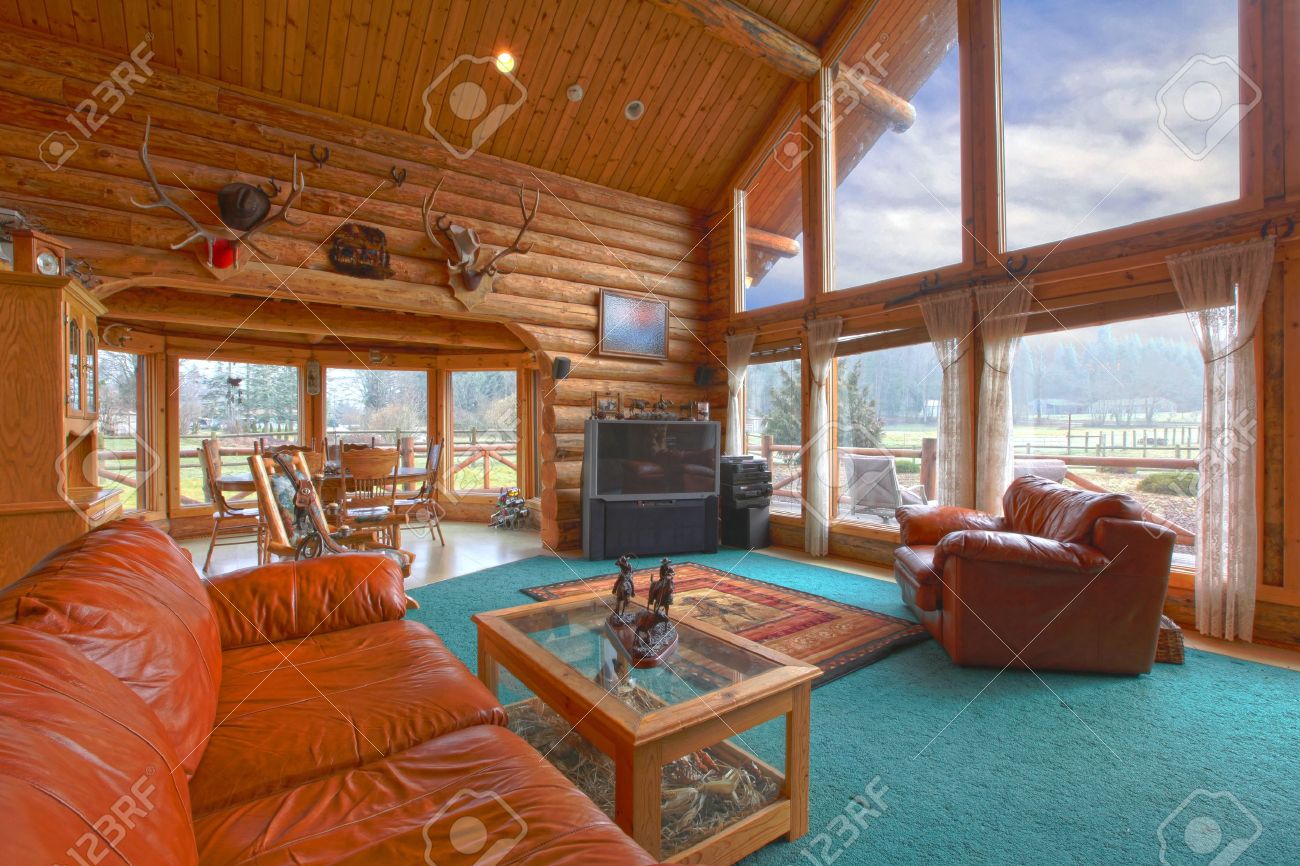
(505,63)
(575,93)
(634,109)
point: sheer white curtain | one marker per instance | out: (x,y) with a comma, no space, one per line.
(739,348)
(1222,289)
(1002,309)
(948,321)
(819,468)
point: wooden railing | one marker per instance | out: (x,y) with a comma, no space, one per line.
(465,454)
(787,488)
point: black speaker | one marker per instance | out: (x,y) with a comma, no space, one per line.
(703,376)
(560,368)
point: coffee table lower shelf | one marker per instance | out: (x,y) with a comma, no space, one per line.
(662,769)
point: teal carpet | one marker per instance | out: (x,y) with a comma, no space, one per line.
(1019,776)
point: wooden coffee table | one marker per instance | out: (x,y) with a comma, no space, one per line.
(573,693)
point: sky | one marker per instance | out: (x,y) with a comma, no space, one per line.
(1083,138)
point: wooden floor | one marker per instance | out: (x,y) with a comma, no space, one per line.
(473,547)
(470,547)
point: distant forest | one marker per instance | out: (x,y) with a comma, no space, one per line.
(1097,375)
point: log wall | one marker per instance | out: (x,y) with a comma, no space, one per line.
(585,238)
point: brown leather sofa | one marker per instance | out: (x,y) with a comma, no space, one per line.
(149,718)
(1065,580)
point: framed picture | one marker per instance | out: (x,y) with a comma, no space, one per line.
(700,410)
(633,326)
(607,405)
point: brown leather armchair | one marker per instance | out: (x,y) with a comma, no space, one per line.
(1065,580)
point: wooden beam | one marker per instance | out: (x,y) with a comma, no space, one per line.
(900,113)
(323,320)
(779,244)
(732,23)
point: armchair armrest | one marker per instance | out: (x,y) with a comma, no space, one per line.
(1135,545)
(1025,550)
(927,524)
(288,600)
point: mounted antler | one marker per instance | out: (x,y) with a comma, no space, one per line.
(282,215)
(243,206)
(529,216)
(461,245)
(165,201)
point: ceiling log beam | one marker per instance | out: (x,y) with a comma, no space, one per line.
(753,34)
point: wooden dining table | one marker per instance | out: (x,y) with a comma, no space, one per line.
(327,483)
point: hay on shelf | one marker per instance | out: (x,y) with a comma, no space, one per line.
(701,793)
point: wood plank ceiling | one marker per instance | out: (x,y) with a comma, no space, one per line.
(706,101)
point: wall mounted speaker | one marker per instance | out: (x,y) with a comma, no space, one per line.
(560,368)
(703,376)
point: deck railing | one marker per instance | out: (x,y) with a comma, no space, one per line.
(787,486)
(475,454)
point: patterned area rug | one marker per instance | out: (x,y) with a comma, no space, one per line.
(838,638)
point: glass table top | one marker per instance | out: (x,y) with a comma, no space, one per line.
(576,635)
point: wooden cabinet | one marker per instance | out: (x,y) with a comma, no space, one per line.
(49,400)
(81,385)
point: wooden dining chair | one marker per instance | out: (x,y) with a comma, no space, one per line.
(301,531)
(229,525)
(421,506)
(369,490)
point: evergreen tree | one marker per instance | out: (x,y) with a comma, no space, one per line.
(784,421)
(859,419)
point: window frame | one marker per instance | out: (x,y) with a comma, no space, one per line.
(176,508)
(967,166)
(526,478)
(1250,158)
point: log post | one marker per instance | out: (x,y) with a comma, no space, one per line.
(929,455)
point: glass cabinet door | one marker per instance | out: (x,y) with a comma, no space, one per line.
(74,365)
(92,372)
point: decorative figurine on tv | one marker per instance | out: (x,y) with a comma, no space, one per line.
(649,636)
(624,591)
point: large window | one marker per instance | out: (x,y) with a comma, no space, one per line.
(237,404)
(485,430)
(1116,408)
(773,239)
(887,407)
(898,188)
(126,461)
(1115,112)
(774,427)
(379,406)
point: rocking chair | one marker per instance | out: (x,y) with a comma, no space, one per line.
(295,521)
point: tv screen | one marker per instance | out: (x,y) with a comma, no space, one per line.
(655,458)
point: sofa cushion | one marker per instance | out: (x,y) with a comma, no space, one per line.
(87,773)
(129,599)
(403,808)
(343,698)
(1036,506)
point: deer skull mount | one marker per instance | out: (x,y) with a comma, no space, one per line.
(471,282)
(244,207)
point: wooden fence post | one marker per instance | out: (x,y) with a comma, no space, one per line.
(929,456)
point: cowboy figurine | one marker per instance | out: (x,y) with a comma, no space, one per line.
(661,589)
(624,588)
